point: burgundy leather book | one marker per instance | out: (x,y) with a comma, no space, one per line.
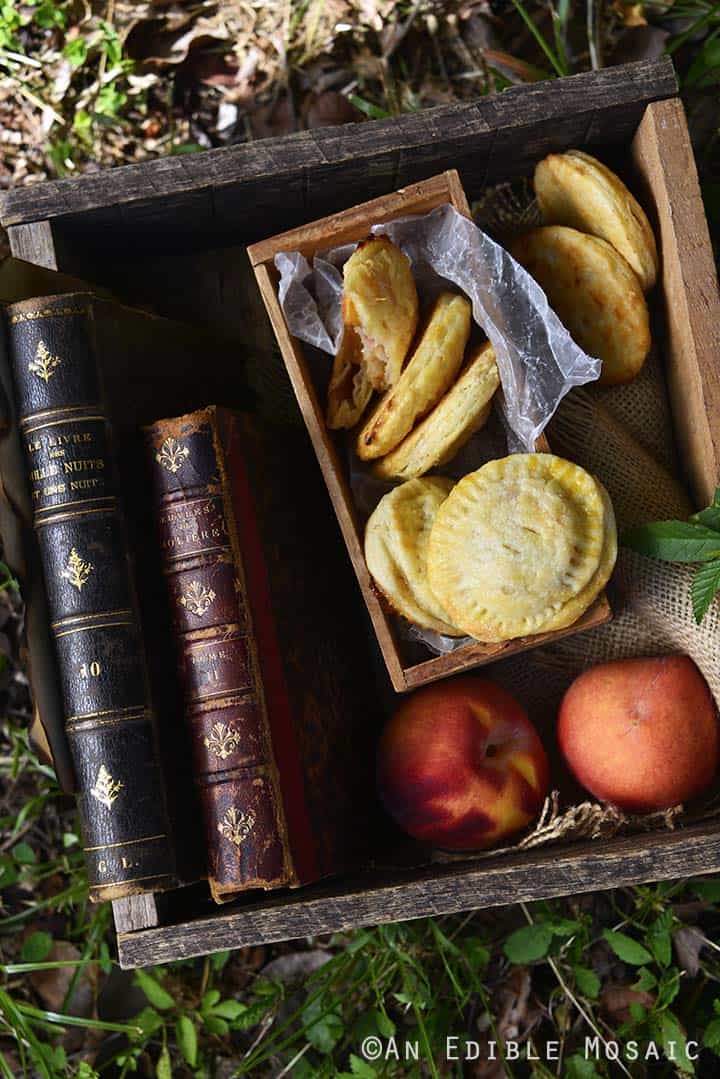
(246,756)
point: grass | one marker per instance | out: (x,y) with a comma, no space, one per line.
(627,969)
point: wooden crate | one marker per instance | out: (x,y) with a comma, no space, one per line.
(406,671)
(172,234)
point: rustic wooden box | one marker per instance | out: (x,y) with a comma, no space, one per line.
(171,234)
(408,665)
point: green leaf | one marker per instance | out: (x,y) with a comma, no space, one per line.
(674,541)
(476,952)
(24,854)
(229,1009)
(187,1039)
(323,1029)
(580,1067)
(703,588)
(210,999)
(587,982)
(163,1068)
(528,944)
(385,1024)
(627,949)
(711,1037)
(155,993)
(75,51)
(659,938)
(646,980)
(216,1025)
(219,959)
(637,1010)
(674,1043)
(361,1068)
(707,888)
(36,947)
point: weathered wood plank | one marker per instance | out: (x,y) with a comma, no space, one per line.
(336,158)
(34,243)
(663,157)
(568,870)
(135,913)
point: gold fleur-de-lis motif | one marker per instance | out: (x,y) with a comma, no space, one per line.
(44,363)
(106,789)
(172,455)
(77,570)
(236,826)
(197,598)
(223,740)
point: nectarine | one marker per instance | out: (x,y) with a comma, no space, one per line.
(641,733)
(461,766)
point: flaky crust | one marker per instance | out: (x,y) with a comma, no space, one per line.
(349,391)
(576,189)
(380,302)
(594,292)
(461,412)
(429,372)
(396,539)
(514,542)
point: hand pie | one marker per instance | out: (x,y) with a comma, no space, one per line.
(577,190)
(349,391)
(571,611)
(380,302)
(396,539)
(428,373)
(594,292)
(514,543)
(462,411)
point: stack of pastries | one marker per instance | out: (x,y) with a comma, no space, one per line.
(524,544)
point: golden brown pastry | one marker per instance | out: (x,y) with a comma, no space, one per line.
(380,302)
(396,539)
(576,189)
(349,391)
(594,292)
(515,543)
(462,411)
(428,373)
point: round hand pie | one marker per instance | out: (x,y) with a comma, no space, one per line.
(514,543)
(396,539)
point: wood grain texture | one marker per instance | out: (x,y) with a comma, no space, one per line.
(663,157)
(135,913)
(337,229)
(315,170)
(34,243)
(509,878)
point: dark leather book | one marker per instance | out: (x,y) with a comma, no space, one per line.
(90,594)
(236,702)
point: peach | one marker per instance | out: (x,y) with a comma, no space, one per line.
(461,766)
(641,733)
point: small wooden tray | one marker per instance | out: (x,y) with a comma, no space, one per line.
(346,227)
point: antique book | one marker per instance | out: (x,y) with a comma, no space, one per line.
(236,702)
(90,594)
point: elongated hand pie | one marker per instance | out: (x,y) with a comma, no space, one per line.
(462,411)
(396,539)
(518,544)
(349,391)
(576,189)
(594,292)
(380,302)
(428,373)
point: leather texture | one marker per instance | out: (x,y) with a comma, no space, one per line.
(205,525)
(91,599)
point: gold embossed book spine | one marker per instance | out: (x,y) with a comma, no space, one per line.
(245,755)
(79,524)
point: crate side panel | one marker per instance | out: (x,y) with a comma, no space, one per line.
(504,879)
